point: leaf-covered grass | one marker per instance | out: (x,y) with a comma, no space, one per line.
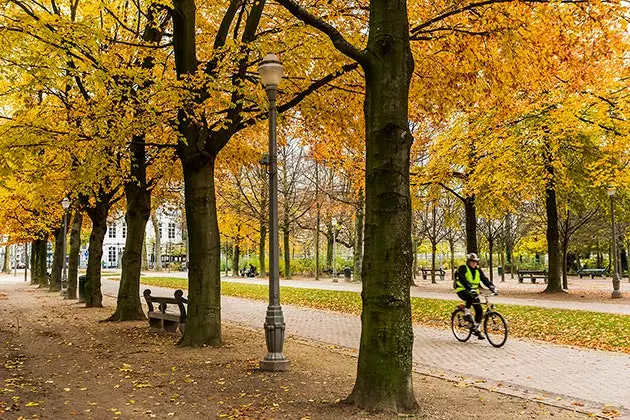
(579,328)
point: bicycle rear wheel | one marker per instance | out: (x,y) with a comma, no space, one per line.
(495,328)
(460,326)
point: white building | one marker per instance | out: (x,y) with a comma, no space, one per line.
(170,225)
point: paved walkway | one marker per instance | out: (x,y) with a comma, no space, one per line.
(556,374)
(327,284)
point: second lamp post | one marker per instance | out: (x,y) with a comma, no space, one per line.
(65,203)
(270,69)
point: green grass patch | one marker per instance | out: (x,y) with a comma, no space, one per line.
(594,330)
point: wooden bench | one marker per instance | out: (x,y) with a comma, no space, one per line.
(427,271)
(601,272)
(532,274)
(160,319)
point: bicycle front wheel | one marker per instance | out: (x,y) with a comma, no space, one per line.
(495,328)
(460,326)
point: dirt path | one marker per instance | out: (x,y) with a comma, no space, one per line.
(59,362)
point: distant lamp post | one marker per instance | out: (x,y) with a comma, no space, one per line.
(270,70)
(334,261)
(65,203)
(614,262)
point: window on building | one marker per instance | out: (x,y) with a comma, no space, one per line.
(171,231)
(160,229)
(111,254)
(111,230)
(124,230)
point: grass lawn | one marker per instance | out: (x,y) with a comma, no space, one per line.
(593,330)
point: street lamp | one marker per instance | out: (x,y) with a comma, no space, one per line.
(65,203)
(615,278)
(334,261)
(270,70)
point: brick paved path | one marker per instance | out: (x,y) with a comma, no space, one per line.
(553,373)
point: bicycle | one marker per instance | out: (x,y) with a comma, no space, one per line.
(494,325)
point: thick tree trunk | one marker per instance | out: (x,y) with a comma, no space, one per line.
(553,236)
(33,259)
(6,267)
(358,238)
(287,255)
(204,284)
(98,216)
(128,304)
(384,380)
(75,255)
(42,263)
(470,209)
(55,273)
(157,244)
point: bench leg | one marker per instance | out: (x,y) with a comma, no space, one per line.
(533,280)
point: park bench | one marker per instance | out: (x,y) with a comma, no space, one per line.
(427,271)
(160,318)
(601,272)
(532,275)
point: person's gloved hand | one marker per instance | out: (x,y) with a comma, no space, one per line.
(474,293)
(494,291)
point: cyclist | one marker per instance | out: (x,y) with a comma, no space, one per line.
(468,278)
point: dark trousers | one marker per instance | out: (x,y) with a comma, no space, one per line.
(472,300)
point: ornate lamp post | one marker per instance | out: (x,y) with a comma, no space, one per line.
(615,262)
(270,70)
(334,261)
(65,203)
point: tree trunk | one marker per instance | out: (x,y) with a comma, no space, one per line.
(98,216)
(384,380)
(42,263)
(565,255)
(204,277)
(287,255)
(433,252)
(358,238)
(553,235)
(451,248)
(470,209)
(261,247)
(6,267)
(145,260)
(128,304)
(490,257)
(318,221)
(55,273)
(75,255)
(236,256)
(329,247)
(157,244)
(33,258)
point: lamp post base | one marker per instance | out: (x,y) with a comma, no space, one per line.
(275,360)
(275,365)
(616,294)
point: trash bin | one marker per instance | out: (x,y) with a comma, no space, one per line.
(82,281)
(347,274)
(500,270)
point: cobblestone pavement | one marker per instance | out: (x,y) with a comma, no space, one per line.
(555,374)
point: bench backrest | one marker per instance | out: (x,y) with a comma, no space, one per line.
(162,302)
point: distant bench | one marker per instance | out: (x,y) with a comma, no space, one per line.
(601,272)
(160,319)
(532,275)
(428,271)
